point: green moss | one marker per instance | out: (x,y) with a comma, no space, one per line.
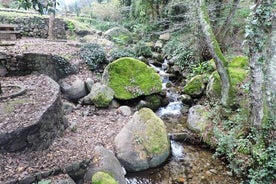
(131,78)
(195,86)
(157,140)
(237,75)
(103,178)
(11,105)
(239,62)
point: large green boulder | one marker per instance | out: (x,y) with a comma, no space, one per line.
(103,178)
(130,78)
(195,86)
(143,142)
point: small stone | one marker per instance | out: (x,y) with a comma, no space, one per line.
(124,110)
(214,171)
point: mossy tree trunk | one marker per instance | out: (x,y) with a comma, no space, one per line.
(262,56)
(215,51)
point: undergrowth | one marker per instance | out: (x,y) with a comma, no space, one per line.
(250,152)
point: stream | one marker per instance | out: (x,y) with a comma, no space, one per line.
(188,164)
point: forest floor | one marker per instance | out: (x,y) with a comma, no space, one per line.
(88,126)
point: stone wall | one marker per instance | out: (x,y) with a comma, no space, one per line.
(35,26)
(41,131)
(55,67)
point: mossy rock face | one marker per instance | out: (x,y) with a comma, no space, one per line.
(101,95)
(103,178)
(143,142)
(130,78)
(195,86)
(237,75)
(239,62)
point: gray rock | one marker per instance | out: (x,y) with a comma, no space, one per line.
(3,71)
(158,45)
(125,110)
(143,142)
(68,107)
(165,37)
(101,95)
(59,179)
(106,162)
(198,118)
(186,99)
(75,91)
(88,84)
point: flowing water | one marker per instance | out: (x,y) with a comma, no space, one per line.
(188,164)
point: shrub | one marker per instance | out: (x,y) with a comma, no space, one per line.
(141,49)
(63,67)
(94,55)
(118,53)
(183,52)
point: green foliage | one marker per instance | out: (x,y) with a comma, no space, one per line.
(265,168)
(41,7)
(105,25)
(249,151)
(141,49)
(63,67)
(202,68)
(94,55)
(259,23)
(121,39)
(182,51)
(121,52)
(71,26)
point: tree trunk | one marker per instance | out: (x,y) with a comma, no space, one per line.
(51,22)
(270,80)
(0,88)
(262,57)
(215,51)
(224,28)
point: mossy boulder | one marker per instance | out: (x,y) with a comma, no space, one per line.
(103,178)
(239,62)
(195,86)
(130,78)
(237,75)
(198,118)
(143,142)
(101,95)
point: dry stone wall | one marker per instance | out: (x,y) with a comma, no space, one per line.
(27,63)
(35,26)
